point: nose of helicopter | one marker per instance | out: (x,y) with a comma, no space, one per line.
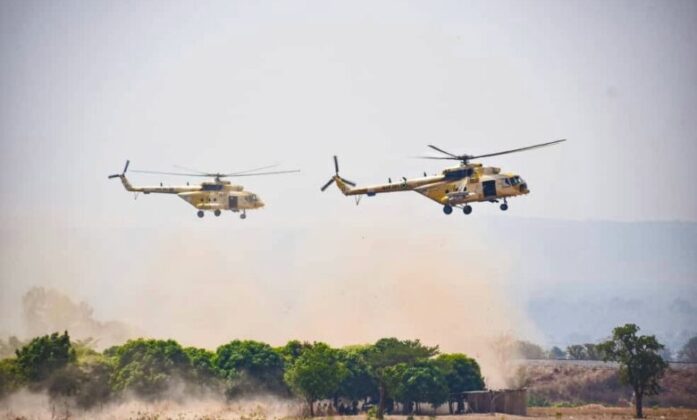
(524,188)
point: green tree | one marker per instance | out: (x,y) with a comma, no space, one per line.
(203,370)
(388,352)
(250,366)
(10,376)
(576,352)
(292,350)
(358,383)
(149,367)
(316,374)
(45,355)
(420,382)
(461,374)
(94,381)
(689,351)
(530,351)
(640,364)
(593,352)
(556,353)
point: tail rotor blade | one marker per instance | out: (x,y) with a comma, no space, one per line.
(125,168)
(325,186)
(336,165)
(114,176)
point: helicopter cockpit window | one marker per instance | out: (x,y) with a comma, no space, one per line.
(513,181)
(253,198)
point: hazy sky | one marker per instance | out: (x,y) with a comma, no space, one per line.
(231,85)
(234,85)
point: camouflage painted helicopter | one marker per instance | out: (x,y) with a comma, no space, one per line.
(454,187)
(215,196)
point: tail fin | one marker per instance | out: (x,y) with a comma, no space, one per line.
(127,185)
(343,183)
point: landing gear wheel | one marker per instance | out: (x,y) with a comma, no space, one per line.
(243,216)
(199,213)
(467,209)
(447,209)
(216,212)
(504,206)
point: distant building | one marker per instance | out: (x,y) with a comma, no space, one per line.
(508,401)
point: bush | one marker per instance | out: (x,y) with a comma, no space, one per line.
(10,377)
(250,366)
(149,368)
(45,355)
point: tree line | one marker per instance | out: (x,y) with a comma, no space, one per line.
(389,375)
(593,351)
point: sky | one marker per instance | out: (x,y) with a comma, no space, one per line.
(233,85)
(226,86)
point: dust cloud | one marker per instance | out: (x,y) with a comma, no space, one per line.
(45,311)
(28,405)
(339,284)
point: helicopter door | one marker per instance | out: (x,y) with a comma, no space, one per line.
(489,188)
(232,202)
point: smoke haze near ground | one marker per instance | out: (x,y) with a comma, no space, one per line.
(45,311)
(351,286)
(30,405)
(455,283)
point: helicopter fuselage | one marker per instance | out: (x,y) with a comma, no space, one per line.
(455,186)
(217,195)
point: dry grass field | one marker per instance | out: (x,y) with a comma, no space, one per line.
(565,391)
(595,411)
(221,413)
(596,383)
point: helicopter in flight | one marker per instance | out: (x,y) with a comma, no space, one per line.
(216,195)
(457,186)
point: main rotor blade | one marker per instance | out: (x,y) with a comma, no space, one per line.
(522,149)
(259,173)
(325,186)
(171,173)
(442,151)
(438,157)
(230,174)
(192,170)
(254,170)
